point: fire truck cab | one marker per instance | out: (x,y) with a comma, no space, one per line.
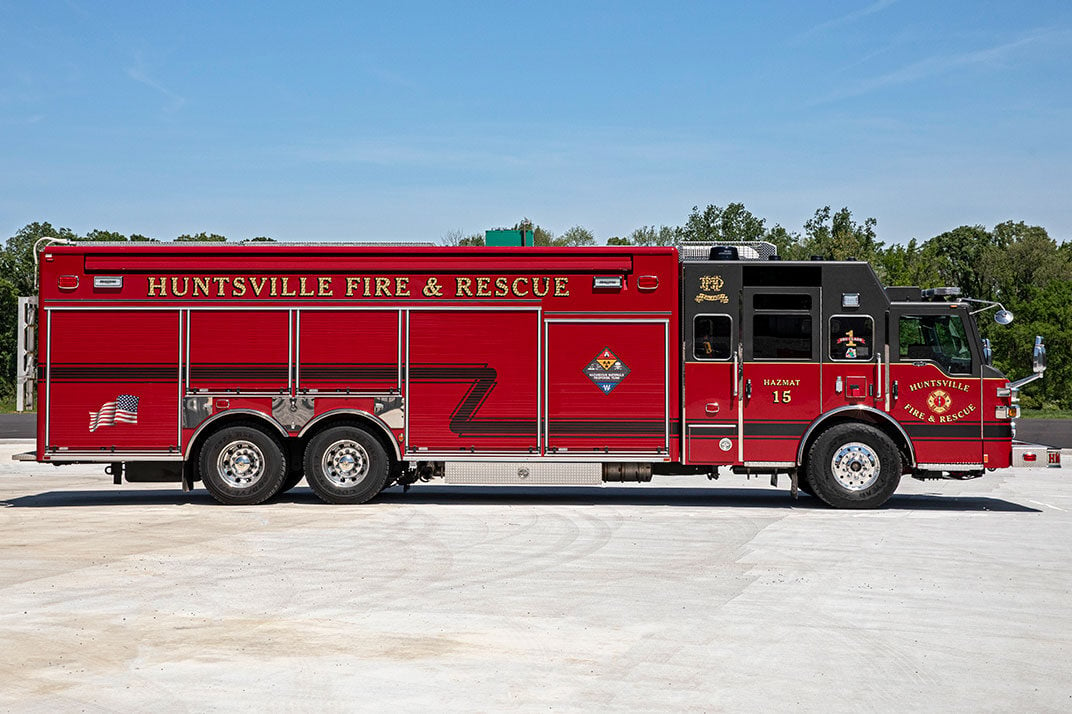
(250,367)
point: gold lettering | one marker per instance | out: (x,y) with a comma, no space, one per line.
(162,287)
(257,289)
(513,287)
(383,287)
(501,288)
(239,286)
(323,287)
(366,282)
(275,287)
(402,287)
(482,287)
(284,292)
(351,285)
(221,283)
(536,286)
(303,290)
(461,287)
(175,287)
(560,287)
(432,288)
(200,286)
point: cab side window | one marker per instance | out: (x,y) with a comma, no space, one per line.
(941,339)
(782,326)
(711,337)
(852,337)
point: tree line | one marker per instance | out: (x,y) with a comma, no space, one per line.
(1016,264)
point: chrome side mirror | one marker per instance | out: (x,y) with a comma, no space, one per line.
(1038,357)
(1003,317)
(988,354)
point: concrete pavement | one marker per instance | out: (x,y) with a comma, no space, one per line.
(674,595)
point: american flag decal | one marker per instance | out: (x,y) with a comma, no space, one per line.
(124,410)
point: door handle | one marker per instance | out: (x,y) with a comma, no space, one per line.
(748,389)
(893,390)
(711,408)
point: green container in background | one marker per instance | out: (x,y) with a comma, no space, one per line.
(514,237)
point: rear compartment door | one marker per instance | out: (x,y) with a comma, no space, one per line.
(112,380)
(607,387)
(472,382)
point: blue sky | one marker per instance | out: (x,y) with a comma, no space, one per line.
(405,120)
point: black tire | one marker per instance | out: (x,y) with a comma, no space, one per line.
(345,464)
(802,483)
(853,466)
(242,465)
(293,479)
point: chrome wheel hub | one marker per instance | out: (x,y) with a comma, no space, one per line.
(856,466)
(345,463)
(240,464)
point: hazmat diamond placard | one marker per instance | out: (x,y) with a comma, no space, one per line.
(606,371)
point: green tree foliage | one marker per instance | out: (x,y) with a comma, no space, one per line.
(907,265)
(650,235)
(836,236)
(9,323)
(714,223)
(576,236)
(789,245)
(1046,310)
(99,236)
(954,258)
(1020,257)
(17,262)
(201,238)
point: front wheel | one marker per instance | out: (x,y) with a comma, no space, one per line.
(345,464)
(853,466)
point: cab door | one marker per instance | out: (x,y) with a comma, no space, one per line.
(936,383)
(781,371)
(711,344)
(853,351)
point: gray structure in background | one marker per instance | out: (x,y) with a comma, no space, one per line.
(26,352)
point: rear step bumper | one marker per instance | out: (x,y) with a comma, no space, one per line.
(1030,455)
(25,456)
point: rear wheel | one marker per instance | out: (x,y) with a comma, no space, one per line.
(345,464)
(853,466)
(293,479)
(242,465)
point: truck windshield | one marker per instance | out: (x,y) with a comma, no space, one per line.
(936,338)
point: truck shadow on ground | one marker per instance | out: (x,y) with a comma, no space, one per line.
(531,496)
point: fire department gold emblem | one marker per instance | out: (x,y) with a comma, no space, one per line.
(939,401)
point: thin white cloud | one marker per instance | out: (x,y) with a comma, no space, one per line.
(847,19)
(139,73)
(941,64)
(498,154)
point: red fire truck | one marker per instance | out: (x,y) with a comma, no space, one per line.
(249,367)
